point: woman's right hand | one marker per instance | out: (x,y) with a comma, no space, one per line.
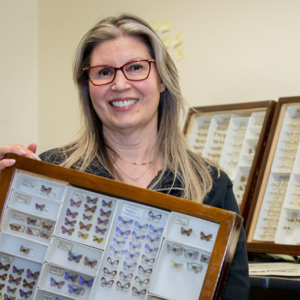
(16,149)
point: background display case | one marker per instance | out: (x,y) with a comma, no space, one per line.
(70,235)
(234,136)
(274,220)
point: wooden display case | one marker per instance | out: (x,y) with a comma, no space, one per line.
(43,227)
(234,136)
(273,225)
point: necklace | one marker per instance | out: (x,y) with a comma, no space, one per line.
(134,179)
(137,164)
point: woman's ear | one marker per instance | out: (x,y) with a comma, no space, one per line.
(162,87)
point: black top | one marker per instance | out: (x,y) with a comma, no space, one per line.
(237,286)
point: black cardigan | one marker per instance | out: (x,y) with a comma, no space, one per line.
(237,286)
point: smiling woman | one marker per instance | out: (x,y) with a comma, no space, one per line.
(131,105)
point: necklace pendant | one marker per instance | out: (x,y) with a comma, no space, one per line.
(135,179)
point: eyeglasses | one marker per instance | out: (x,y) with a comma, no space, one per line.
(136,70)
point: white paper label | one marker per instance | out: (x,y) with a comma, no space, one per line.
(24,199)
(132,212)
(57,271)
(28,182)
(6,258)
(18,216)
(181,221)
(79,196)
(64,246)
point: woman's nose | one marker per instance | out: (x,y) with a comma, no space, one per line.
(121,82)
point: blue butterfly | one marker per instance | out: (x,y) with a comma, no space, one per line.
(133,256)
(118,254)
(139,227)
(124,277)
(88,282)
(177,250)
(152,241)
(154,218)
(129,267)
(68,276)
(122,222)
(158,231)
(152,251)
(132,246)
(120,233)
(76,291)
(118,243)
(137,238)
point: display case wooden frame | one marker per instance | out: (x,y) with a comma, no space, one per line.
(242,109)
(269,179)
(229,223)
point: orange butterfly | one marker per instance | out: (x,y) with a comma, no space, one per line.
(187,232)
(46,190)
(91,209)
(47,226)
(205,237)
(97,239)
(83,236)
(15,227)
(85,227)
(24,250)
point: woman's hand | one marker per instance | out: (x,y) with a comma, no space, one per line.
(16,149)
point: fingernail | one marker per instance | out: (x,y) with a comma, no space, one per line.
(35,156)
(22,151)
(11,161)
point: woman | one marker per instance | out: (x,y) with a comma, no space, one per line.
(131,103)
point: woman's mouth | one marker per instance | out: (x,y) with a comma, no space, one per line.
(122,103)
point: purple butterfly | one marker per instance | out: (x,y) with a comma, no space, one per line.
(151,251)
(105,213)
(44,235)
(73,257)
(31,221)
(152,241)
(129,267)
(137,238)
(88,282)
(68,276)
(104,222)
(40,207)
(57,284)
(6,297)
(122,222)
(139,227)
(68,231)
(106,204)
(133,256)
(89,218)
(71,223)
(120,233)
(118,254)
(90,200)
(32,275)
(19,271)
(118,243)
(100,230)
(158,231)
(72,215)
(73,290)
(132,246)
(10,290)
(25,294)
(74,203)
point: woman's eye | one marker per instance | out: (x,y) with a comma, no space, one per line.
(106,72)
(135,67)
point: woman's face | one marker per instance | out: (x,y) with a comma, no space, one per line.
(124,104)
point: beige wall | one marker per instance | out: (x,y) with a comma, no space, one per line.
(235,51)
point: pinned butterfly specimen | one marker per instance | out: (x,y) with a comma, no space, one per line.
(73,257)
(73,215)
(137,238)
(107,204)
(47,226)
(24,250)
(122,222)
(74,290)
(70,277)
(82,235)
(153,217)
(152,251)
(105,283)
(133,256)
(24,294)
(98,240)
(87,282)
(118,254)
(191,254)
(29,231)
(148,261)
(15,227)
(57,284)
(74,203)
(46,190)
(3,277)
(10,290)
(129,267)
(205,237)
(32,275)
(186,232)
(136,292)
(27,284)
(158,231)
(65,230)
(85,227)
(123,234)
(124,277)
(71,223)
(140,282)
(100,230)
(18,271)
(13,280)
(105,213)
(175,265)
(144,272)
(204,258)
(89,218)
(139,227)
(2,285)
(123,288)
(91,209)
(90,263)
(31,221)
(132,246)
(40,207)
(44,235)
(104,222)
(4,267)
(6,297)
(173,249)
(90,200)
(113,264)
(118,243)
(107,273)
(194,267)
(152,241)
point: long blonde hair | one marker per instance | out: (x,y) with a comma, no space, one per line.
(190,168)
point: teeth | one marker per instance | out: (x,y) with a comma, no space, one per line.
(123,103)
